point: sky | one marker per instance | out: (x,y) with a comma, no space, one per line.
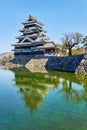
(58,16)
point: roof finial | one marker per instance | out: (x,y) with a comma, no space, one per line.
(30,16)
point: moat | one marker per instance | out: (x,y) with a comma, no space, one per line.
(42,101)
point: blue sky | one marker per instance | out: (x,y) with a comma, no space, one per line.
(59,17)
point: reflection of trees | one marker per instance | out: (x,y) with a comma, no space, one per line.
(70,93)
(67,88)
(34,86)
(83,79)
(73,94)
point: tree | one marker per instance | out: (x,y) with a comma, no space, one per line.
(71,40)
(10,56)
(85,43)
(58,48)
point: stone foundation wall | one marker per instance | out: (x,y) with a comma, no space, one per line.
(54,63)
(68,63)
(82,68)
(24,59)
(37,65)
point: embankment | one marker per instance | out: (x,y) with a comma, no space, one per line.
(53,63)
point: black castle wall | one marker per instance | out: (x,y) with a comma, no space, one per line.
(54,63)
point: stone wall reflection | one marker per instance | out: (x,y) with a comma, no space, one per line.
(36,86)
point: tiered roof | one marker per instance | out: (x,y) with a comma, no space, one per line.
(32,20)
(33,34)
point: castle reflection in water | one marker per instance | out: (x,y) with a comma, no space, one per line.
(36,86)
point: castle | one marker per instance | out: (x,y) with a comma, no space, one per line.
(33,40)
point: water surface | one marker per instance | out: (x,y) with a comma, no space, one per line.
(42,101)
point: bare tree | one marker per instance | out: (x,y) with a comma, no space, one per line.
(71,40)
(85,43)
